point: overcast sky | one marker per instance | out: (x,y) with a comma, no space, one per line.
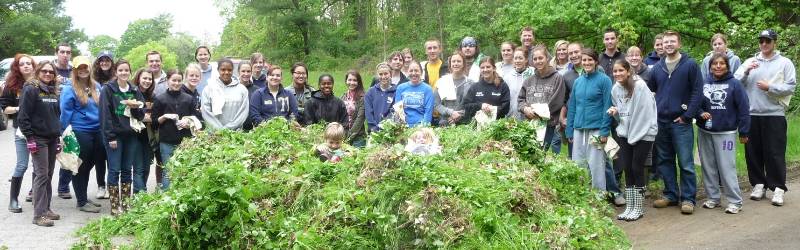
(199,18)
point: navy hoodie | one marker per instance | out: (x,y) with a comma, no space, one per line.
(378,105)
(113,122)
(678,94)
(726,100)
(264,106)
(321,108)
(652,59)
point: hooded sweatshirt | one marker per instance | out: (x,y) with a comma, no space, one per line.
(302,99)
(544,87)
(652,59)
(678,94)
(112,113)
(172,102)
(417,102)
(225,106)
(588,103)
(38,111)
(378,105)
(515,80)
(449,96)
(265,106)
(84,118)
(733,62)
(261,81)
(726,100)
(489,93)
(779,71)
(207,77)
(636,113)
(196,97)
(321,108)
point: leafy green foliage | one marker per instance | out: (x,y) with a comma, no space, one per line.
(103,42)
(137,56)
(266,190)
(183,45)
(35,27)
(142,31)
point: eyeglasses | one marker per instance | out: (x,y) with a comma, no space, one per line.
(300,73)
(767,41)
(44,71)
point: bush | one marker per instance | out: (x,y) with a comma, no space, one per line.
(266,190)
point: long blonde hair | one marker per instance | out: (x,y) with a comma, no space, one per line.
(85,88)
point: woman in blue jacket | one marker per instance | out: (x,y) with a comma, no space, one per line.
(587,122)
(380,98)
(79,109)
(273,100)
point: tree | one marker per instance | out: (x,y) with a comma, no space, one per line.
(145,30)
(136,56)
(103,42)
(35,27)
(184,46)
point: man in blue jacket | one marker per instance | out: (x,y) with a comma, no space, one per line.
(678,84)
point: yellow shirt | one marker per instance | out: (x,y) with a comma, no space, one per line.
(433,72)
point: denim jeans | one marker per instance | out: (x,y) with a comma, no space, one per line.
(21,146)
(550,138)
(64,178)
(127,156)
(166,152)
(140,174)
(92,154)
(676,139)
(555,144)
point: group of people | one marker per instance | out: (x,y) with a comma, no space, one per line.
(127,119)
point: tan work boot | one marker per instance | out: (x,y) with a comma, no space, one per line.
(664,202)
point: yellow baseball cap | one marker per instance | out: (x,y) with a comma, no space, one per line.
(80,60)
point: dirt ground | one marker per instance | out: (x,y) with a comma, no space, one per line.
(759,225)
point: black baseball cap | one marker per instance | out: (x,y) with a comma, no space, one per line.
(769,34)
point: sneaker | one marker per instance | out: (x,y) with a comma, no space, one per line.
(619,200)
(65,196)
(710,204)
(733,209)
(89,208)
(758,192)
(91,202)
(663,202)
(101,193)
(777,197)
(52,216)
(43,221)
(687,207)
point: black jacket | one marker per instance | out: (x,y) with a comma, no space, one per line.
(172,102)
(113,121)
(325,108)
(484,92)
(10,98)
(38,111)
(196,100)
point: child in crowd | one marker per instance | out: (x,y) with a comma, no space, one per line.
(332,150)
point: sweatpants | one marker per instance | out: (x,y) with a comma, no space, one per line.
(766,151)
(44,161)
(588,155)
(718,159)
(631,160)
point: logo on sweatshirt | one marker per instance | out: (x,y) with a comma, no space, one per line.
(478,94)
(716,95)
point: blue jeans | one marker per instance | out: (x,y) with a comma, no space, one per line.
(611,178)
(140,174)
(166,152)
(555,144)
(676,139)
(92,154)
(550,136)
(127,156)
(21,146)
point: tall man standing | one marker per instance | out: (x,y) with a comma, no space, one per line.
(611,54)
(154,66)
(769,80)
(63,72)
(434,67)
(527,38)
(678,84)
(472,57)
(657,53)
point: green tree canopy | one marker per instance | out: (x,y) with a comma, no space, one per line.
(35,27)
(103,42)
(145,30)
(183,45)
(136,56)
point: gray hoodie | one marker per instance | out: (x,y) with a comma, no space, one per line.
(224,106)
(733,60)
(779,72)
(636,114)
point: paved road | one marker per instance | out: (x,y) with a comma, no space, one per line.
(759,225)
(17,231)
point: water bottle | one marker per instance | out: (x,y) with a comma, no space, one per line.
(708,124)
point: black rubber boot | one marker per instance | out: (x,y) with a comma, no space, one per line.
(13,205)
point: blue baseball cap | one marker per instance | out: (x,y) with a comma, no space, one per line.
(106,53)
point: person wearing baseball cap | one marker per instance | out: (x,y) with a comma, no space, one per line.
(472,55)
(102,69)
(769,80)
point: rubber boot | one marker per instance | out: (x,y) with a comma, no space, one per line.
(628,205)
(125,196)
(638,207)
(13,204)
(113,193)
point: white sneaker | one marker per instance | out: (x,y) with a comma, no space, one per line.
(101,193)
(758,192)
(733,209)
(710,204)
(777,197)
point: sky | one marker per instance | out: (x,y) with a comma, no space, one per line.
(199,18)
